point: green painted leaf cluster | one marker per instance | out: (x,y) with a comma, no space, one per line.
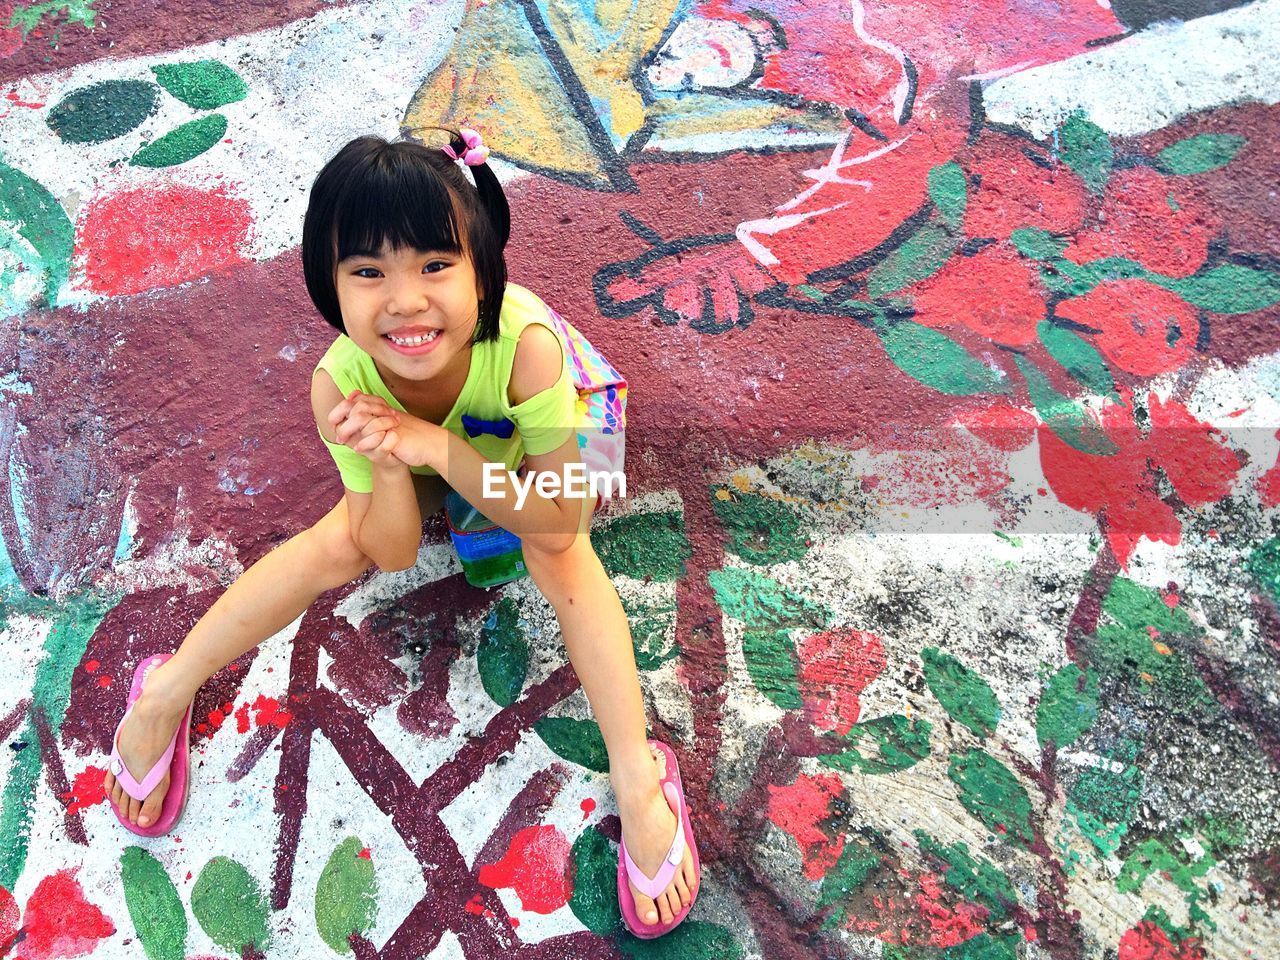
(229,906)
(974,878)
(1037,244)
(856,864)
(1201,153)
(643,546)
(595,892)
(768,613)
(578,741)
(937,361)
(183,143)
(883,745)
(967,698)
(652,629)
(346,896)
(1073,423)
(1086,149)
(983,947)
(1079,358)
(154,905)
(103,111)
(949,192)
(1068,706)
(31,212)
(502,656)
(1155,856)
(990,792)
(761,530)
(920,256)
(202,84)
(1264,564)
(1227,288)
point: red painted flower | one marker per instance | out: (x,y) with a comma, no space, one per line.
(835,667)
(1156,220)
(799,809)
(536,867)
(1014,192)
(1147,941)
(1142,328)
(995,293)
(707,286)
(59,922)
(151,237)
(1122,487)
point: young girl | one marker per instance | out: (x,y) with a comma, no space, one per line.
(442,367)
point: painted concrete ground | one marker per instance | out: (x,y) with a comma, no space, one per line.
(952,548)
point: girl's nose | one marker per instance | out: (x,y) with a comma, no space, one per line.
(406,299)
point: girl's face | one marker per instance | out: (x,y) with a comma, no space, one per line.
(413,311)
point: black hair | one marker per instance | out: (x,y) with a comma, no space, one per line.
(377,193)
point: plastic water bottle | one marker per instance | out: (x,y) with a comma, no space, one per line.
(490,555)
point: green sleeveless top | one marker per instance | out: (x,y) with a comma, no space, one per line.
(483,413)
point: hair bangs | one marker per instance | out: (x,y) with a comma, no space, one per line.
(399,205)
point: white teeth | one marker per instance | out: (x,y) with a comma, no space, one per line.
(413,341)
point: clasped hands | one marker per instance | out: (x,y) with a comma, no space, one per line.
(388,437)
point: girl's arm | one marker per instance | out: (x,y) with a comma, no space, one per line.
(385,524)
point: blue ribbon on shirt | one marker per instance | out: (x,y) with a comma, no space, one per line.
(502,429)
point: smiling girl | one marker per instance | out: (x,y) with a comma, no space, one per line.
(441,367)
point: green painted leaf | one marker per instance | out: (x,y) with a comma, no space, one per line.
(761,603)
(883,745)
(990,792)
(154,905)
(182,144)
(229,907)
(1073,423)
(29,15)
(1079,358)
(983,947)
(975,878)
(773,666)
(578,741)
(1037,244)
(34,214)
(857,862)
(1201,153)
(346,895)
(692,940)
(103,111)
(949,192)
(203,84)
(1068,707)
(1229,288)
(937,361)
(1264,564)
(595,890)
(921,255)
(967,698)
(1086,149)
(813,293)
(761,530)
(652,632)
(502,656)
(643,546)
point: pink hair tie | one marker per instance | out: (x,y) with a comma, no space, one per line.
(476,152)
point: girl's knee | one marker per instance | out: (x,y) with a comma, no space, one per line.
(336,549)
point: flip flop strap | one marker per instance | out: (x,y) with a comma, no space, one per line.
(652,887)
(140,791)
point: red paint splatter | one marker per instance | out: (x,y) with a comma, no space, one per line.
(267,711)
(9,916)
(1269,484)
(835,667)
(799,809)
(475,906)
(1158,221)
(587,806)
(86,790)
(59,922)
(515,922)
(215,719)
(1147,941)
(365,854)
(1142,328)
(536,867)
(995,293)
(137,240)
(242,718)
(104,681)
(1031,934)
(91,666)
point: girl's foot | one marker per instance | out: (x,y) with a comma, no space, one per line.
(143,738)
(648,828)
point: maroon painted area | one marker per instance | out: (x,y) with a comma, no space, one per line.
(130,28)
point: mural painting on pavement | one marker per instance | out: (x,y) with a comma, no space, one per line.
(952,551)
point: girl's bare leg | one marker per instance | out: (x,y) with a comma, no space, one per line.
(267,598)
(598,639)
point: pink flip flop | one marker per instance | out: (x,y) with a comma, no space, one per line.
(173,761)
(673,790)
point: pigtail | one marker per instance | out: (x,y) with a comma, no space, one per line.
(492,197)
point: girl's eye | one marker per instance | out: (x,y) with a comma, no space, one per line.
(435,266)
(368,273)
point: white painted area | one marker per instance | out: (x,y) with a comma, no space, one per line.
(1147,81)
(435,562)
